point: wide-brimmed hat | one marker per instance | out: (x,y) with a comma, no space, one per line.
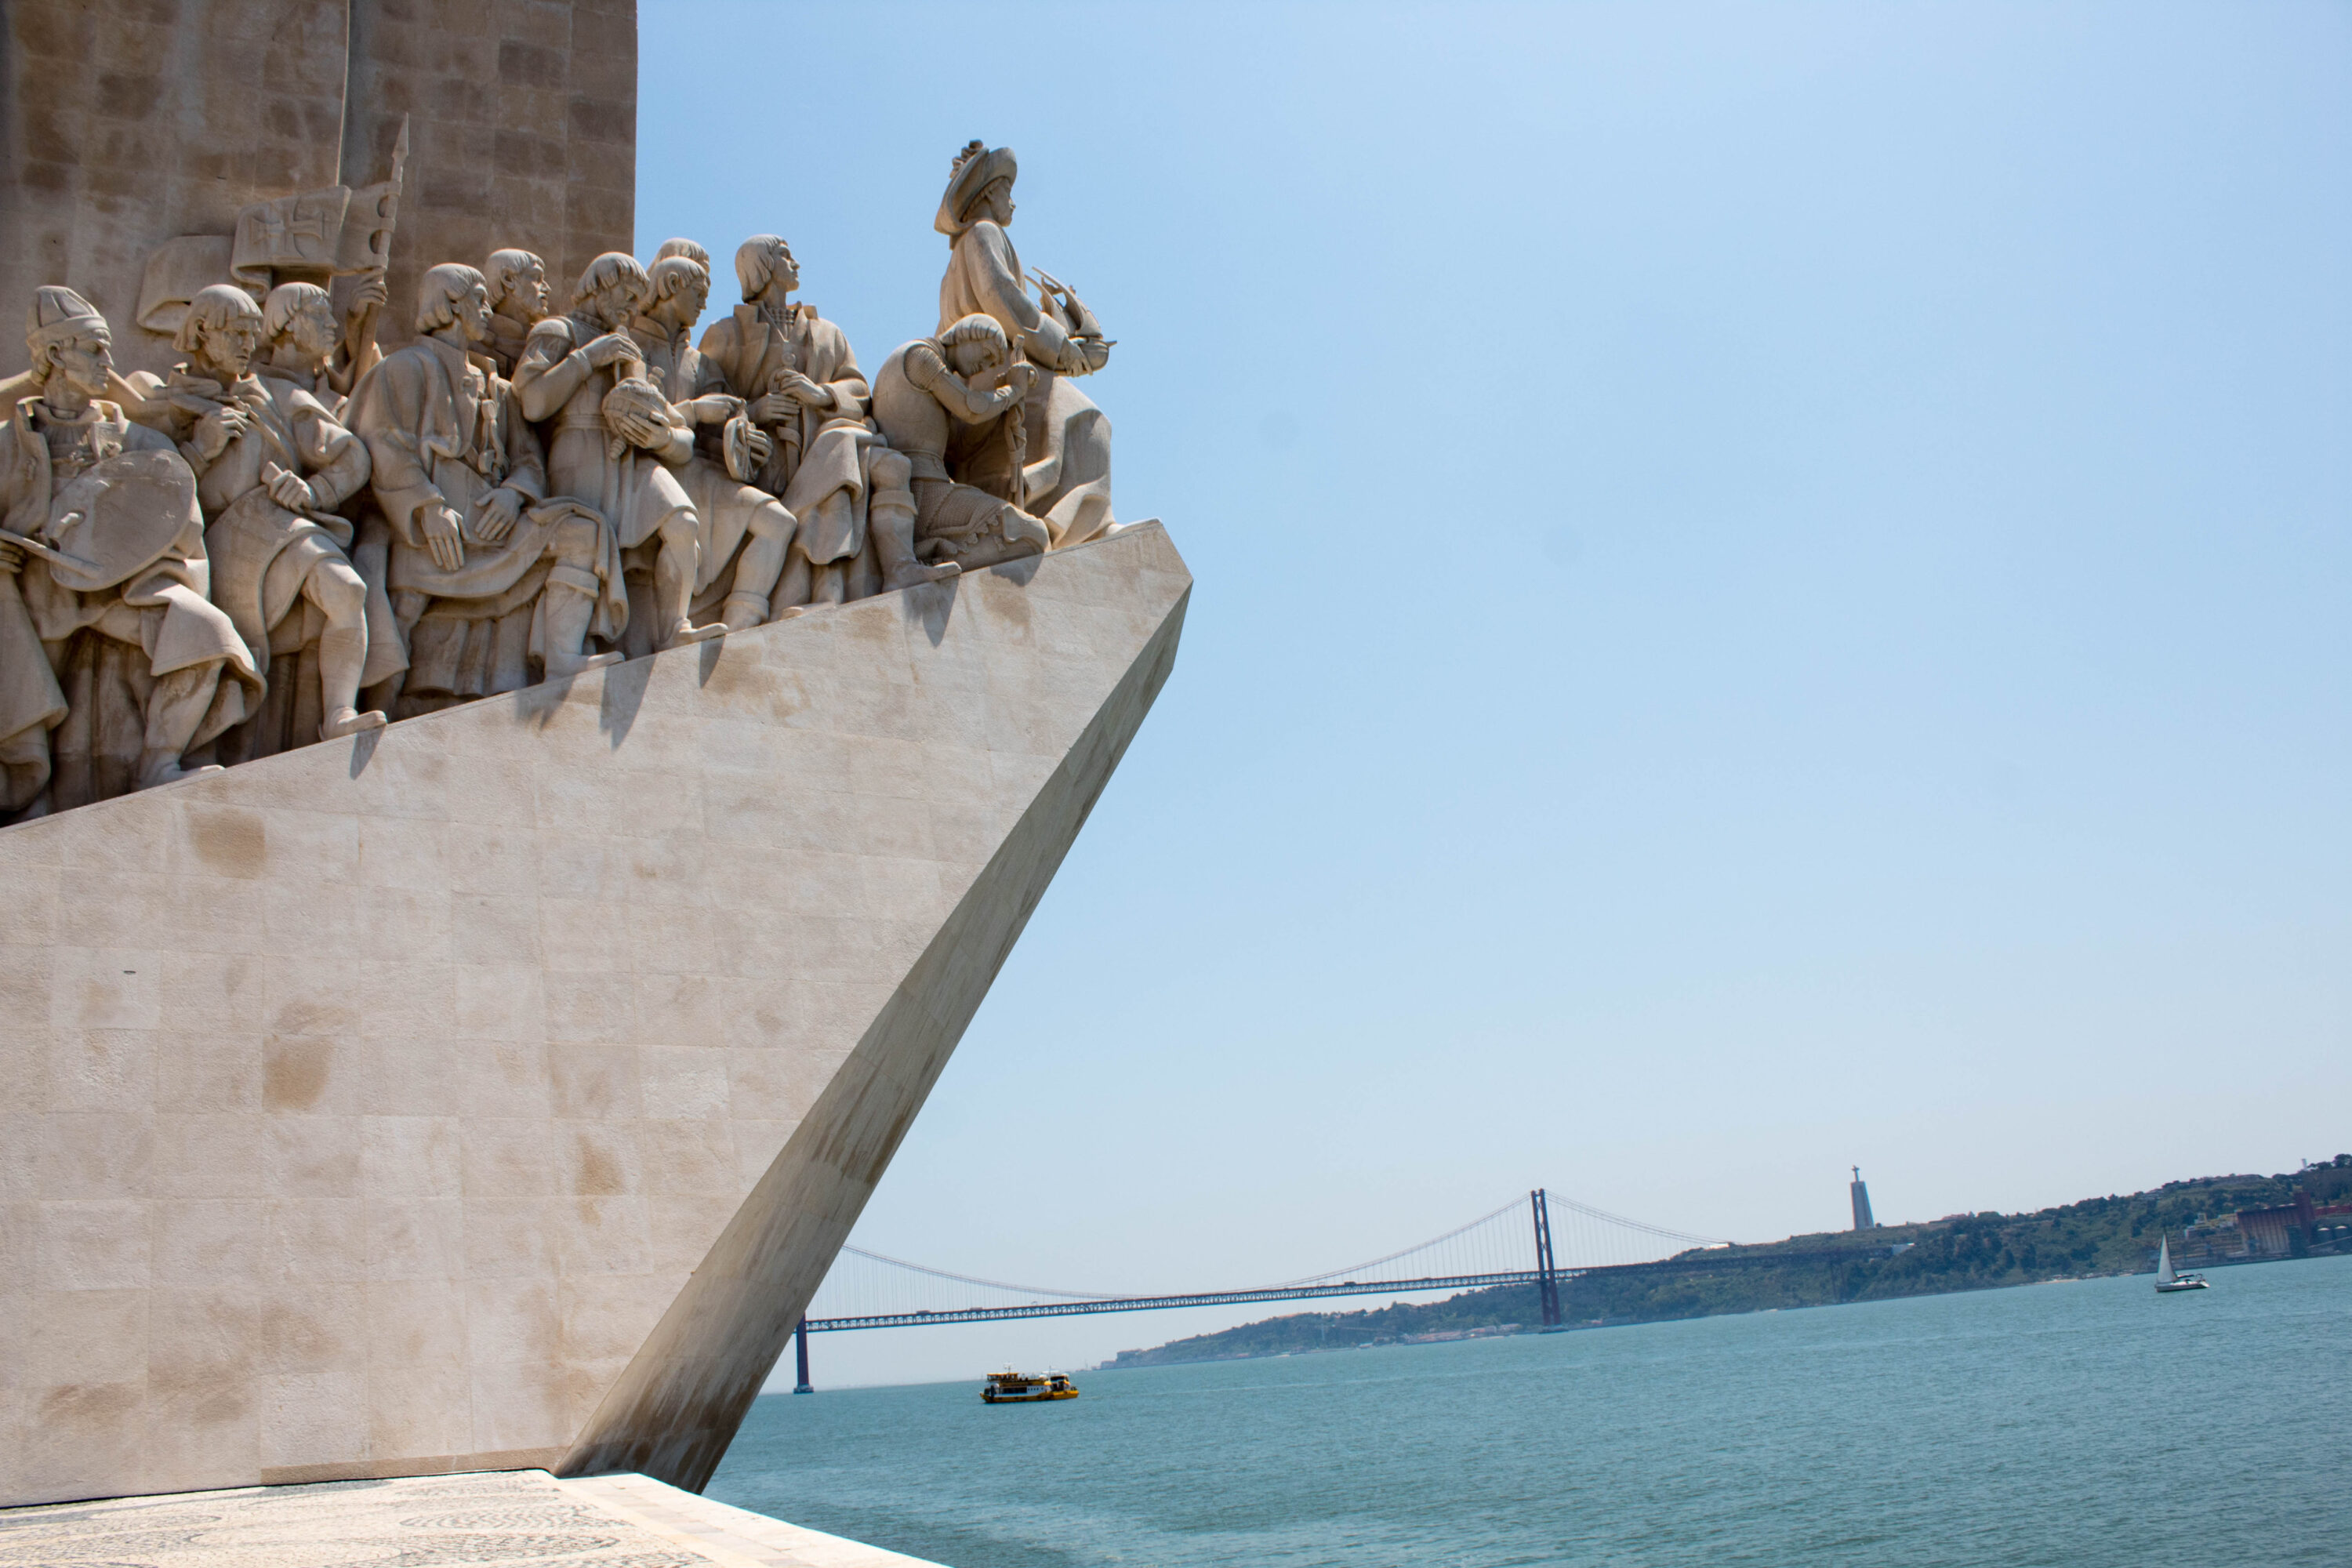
(976,168)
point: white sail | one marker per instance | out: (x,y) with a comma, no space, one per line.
(2164,1274)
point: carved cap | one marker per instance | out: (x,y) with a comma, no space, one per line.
(976,168)
(58,314)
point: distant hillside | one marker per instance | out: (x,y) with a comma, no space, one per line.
(1972,1252)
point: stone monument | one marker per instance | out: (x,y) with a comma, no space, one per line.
(505,811)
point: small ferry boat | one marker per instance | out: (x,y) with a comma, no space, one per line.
(2167,1280)
(1027,1388)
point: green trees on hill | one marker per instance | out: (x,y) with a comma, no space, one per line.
(2115,1234)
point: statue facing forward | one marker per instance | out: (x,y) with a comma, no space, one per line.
(114,661)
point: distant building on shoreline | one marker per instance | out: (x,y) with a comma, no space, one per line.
(1860,1191)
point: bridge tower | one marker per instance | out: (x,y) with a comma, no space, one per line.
(799,1347)
(1547,1277)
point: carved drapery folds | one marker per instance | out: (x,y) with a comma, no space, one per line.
(293,537)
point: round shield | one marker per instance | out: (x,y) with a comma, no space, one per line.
(121,517)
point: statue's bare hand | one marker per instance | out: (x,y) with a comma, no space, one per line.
(288,490)
(639,429)
(497,517)
(442,539)
(714,408)
(773,409)
(12,559)
(756,443)
(804,390)
(1019,377)
(611,349)
(216,430)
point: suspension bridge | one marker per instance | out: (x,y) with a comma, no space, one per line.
(1513,1245)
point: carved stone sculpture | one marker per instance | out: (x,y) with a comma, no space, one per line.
(519,302)
(277,548)
(1068,482)
(621,463)
(951,406)
(484,572)
(745,531)
(113,659)
(299,342)
(686,247)
(795,372)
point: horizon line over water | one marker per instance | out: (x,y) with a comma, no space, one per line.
(2083,1422)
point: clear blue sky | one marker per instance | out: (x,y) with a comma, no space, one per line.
(1772,592)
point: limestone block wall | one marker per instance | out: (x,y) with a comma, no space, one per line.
(124,125)
(494,1090)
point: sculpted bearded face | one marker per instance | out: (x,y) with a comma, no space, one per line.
(230,345)
(81,361)
(612,307)
(312,331)
(995,203)
(472,310)
(527,295)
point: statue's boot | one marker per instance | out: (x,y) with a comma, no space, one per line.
(893,528)
(674,570)
(163,767)
(743,611)
(345,722)
(571,603)
(342,656)
(176,708)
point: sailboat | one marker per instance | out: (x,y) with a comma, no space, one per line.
(2167,1280)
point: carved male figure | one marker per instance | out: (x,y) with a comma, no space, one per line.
(612,441)
(483,569)
(107,635)
(279,565)
(298,338)
(951,406)
(795,371)
(519,302)
(1069,479)
(745,531)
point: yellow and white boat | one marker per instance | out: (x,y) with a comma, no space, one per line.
(1027,1388)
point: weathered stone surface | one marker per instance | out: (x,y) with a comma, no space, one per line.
(524,1519)
(374,1105)
(123,127)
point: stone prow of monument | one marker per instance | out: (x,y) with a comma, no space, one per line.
(494,1090)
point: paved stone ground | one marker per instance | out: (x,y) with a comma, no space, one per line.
(499,1519)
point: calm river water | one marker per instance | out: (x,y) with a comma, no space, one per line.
(2083,1423)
